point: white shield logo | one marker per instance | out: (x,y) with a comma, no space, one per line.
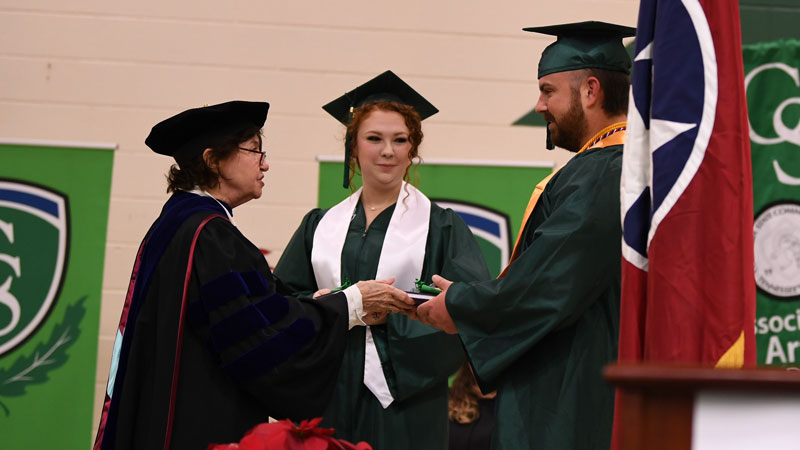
(34,230)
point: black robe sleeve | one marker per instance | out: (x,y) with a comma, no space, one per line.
(284,351)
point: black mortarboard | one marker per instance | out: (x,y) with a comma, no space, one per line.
(585,45)
(185,135)
(387,87)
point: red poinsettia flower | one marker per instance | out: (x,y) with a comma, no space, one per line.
(285,435)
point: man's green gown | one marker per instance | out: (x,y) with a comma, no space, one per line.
(416,359)
(542,334)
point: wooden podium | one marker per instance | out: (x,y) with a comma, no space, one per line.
(675,408)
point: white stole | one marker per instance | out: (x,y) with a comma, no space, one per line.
(402,257)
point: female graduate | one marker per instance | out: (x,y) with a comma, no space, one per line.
(206,348)
(392,387)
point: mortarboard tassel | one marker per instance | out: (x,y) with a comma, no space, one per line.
(549,142)
(347,142)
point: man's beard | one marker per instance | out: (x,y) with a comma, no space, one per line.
(569,130)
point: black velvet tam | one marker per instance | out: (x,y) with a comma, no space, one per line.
(187,134)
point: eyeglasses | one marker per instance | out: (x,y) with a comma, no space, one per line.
(262,153)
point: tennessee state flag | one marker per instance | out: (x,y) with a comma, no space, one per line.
(688,288)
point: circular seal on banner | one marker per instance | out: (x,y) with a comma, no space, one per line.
(777,250)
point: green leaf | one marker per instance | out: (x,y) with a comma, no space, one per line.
(49,355)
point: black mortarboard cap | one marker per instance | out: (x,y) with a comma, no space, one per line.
(387,87)
(187,134)
(585,45)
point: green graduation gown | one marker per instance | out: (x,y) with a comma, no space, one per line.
(416,359)
(542,334)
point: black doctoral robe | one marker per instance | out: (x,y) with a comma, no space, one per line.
(542,334)
(416,359)
(246,351)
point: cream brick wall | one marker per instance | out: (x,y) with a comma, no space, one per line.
(107,70)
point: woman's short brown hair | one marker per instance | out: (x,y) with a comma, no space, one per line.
(412,121)
(198,173)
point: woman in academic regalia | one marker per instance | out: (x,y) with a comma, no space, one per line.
(392,387)
(206,347)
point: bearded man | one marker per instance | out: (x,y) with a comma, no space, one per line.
(541,333)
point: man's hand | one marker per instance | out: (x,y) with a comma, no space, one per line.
(381,297)
(434,311)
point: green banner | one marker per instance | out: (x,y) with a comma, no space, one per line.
(53,216)
(491,198)
(773,101)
